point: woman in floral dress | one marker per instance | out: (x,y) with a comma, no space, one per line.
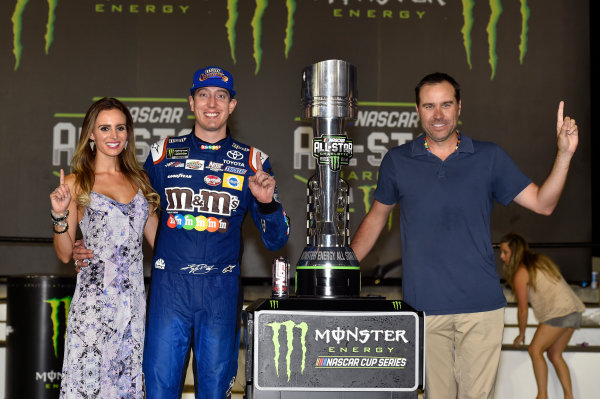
(110,198)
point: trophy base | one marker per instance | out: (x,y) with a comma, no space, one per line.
(328,272)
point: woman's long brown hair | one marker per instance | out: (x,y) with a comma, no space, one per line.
(533,262)
(82,164)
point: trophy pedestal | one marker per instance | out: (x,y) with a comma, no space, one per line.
(333,348)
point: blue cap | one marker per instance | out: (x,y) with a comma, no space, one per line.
(213,76)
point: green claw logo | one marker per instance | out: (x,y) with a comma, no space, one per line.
(289,330)
(256,23)
(55,305)
(259,11)
(496,11)
(274,304)
(397,305)
(17,22)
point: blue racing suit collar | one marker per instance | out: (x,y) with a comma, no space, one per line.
(198,142)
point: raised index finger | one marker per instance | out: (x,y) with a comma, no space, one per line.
(559,115)
(62,177)
(258,162)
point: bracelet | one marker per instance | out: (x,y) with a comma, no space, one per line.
(66,225)
(58,218)
(60,224)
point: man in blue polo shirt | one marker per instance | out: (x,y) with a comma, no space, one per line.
(446,184)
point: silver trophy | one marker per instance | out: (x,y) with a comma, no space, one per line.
(328,266)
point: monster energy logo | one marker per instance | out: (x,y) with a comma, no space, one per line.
(274,304)
(496,11)
(17,22)
(259,11)
(257,23)
(289,325)
(335,150)
(55,305)
(397,305)
(178,153)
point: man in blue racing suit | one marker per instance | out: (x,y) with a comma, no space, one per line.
(207,182)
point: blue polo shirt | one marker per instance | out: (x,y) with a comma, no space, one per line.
(448,263)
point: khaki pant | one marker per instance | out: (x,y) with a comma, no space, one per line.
(462,352)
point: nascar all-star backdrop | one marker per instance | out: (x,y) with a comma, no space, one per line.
(515,59)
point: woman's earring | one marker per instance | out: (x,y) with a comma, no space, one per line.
(92,144)
(125,146)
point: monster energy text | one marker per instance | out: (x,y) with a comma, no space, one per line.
(362,336)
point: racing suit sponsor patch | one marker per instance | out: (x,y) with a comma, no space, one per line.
(194,164)
(179,176)
(212,180)
(174,164)
(233,181)
(237,171)
(215,166)
(178,153)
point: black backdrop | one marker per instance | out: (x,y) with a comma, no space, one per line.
(515,60)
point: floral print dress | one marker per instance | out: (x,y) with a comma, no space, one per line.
(105,329)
